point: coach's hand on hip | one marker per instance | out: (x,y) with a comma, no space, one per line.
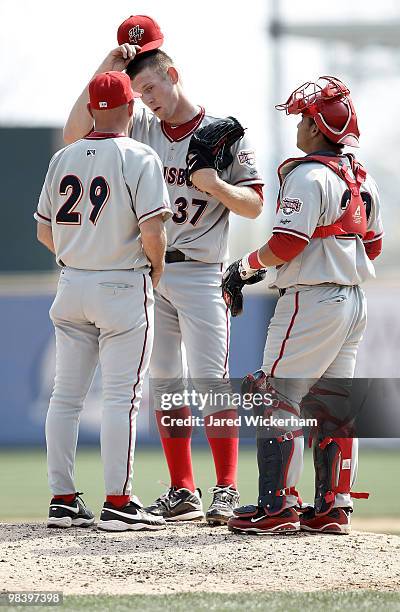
(154,240)
(156,274)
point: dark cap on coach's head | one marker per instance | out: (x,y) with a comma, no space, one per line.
(109,90)
(140,30)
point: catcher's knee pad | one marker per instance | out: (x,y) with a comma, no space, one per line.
(334,471)
(265,398)
(280,461)
(329,403)
(253,383)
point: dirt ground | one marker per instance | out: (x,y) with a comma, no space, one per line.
(192,557)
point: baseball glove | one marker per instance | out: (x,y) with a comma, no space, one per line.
(232,285)
(209,147)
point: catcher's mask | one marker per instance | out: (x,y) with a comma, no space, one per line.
(328,102)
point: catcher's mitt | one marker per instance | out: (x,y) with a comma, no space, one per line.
(209,147)
(232,285)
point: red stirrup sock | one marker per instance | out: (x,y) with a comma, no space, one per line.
(224,444)
(66,498)
(176,443)
(118,500)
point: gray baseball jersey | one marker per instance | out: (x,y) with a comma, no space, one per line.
(199,226)
(312,195)
(96,193)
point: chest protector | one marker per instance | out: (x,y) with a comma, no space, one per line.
(354,219)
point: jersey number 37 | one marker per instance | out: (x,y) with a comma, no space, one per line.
(181,215)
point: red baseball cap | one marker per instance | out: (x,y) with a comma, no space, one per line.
(140,30)
(109,90)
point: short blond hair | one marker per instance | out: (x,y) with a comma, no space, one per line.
(155,60)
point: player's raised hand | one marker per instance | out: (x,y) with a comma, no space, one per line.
(205,179)
(119,58)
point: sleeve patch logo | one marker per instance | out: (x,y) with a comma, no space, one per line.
(247,158)
(290,205)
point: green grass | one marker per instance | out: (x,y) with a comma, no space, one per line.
(334,601)
(25,493)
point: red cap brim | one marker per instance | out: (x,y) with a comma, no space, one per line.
(150,46)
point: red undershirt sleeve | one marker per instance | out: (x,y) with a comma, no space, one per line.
(286,246)
(259,190)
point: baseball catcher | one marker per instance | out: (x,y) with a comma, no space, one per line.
(326,231)
(210,146)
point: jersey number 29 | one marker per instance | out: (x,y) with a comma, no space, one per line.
(71,186)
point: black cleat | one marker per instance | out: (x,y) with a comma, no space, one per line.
(178,505)
(69,514)
(130,517)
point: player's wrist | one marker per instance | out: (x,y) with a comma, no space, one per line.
(249,264)
(215,185)
(255,261)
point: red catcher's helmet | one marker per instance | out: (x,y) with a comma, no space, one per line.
(328,102)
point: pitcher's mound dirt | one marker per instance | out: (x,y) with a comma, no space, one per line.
(192,557)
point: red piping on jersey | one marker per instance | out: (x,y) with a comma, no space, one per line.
(42,216)
(180,132)
(136,384)
(282,230)
(152,211)
(246,180)
(103,135)
(296,310)
(373,237)
(227,344)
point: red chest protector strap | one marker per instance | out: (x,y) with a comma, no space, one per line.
(354,218)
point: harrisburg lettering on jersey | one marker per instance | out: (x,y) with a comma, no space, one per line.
(96,194)
(199,225)
(177,176)
(311,196)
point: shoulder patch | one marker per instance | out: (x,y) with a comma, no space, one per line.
(246,157)
(290,205)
